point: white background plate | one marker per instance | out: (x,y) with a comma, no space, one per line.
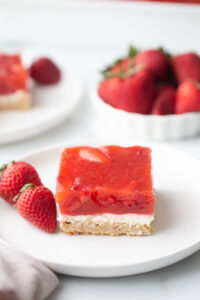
(177,224)
(51,105)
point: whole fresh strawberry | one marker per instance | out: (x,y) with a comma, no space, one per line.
(36,204)
(138,93)
(188,97)
(109,90)
(13,176)
(44,71)
(186,66)
(164,103)
(154,61)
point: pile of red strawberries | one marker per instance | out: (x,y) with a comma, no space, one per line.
(153,82)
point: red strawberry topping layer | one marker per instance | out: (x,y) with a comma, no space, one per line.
(13,76)
(110,179)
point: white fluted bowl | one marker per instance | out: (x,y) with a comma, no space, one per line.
(117,122)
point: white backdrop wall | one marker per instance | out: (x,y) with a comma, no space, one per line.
(88,23)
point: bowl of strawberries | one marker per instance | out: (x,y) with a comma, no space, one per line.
(150,94)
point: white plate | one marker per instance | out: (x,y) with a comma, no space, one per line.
(177,225)
(149,127)
(51,105)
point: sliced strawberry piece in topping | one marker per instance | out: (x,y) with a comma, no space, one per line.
(94,155)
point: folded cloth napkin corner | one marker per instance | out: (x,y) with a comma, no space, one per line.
(23,277)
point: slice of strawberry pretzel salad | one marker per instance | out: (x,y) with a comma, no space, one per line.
(106,191)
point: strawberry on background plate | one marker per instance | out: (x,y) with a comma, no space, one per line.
(155,61)
(13,176)
(45,71)
(188,97)
(164,103)
(138,93)
(186,66)
(36,204)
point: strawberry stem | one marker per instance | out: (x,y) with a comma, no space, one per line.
(161,49)
(27,186)
(134,70)
(132,51)
(23,189)
(5,166)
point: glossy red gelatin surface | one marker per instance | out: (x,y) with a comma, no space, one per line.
(109,179)
(13,76)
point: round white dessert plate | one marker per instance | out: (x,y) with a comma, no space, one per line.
(176,229)
(51,105)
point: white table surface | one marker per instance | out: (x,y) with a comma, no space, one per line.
(181,280)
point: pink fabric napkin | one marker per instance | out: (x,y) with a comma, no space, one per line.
(23,277)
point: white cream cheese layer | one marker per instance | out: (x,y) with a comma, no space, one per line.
(12,97)
(131,219)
